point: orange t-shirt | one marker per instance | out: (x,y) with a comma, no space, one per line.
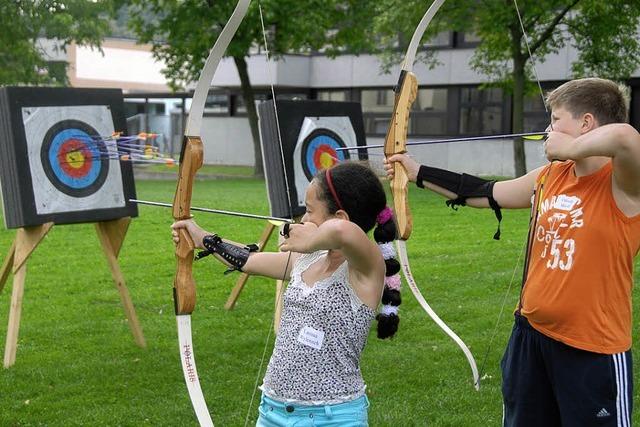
(578,287)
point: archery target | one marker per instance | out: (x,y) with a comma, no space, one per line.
(70,169)
(316,146)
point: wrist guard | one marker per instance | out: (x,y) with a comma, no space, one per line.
(234,256)
(464,185)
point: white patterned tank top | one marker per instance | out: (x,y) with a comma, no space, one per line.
(323,330)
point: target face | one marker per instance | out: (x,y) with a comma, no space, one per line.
(319,151)
(316,148)
(73,161)
(72,168)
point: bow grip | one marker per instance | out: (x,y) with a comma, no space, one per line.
(396,143)
(184,286)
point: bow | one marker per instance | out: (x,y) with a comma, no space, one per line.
(191,158)
(396,143)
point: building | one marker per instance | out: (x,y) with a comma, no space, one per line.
(450,101)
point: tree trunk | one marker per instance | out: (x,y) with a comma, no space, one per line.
(252,115)
(517,117)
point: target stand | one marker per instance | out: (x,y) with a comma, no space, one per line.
(57,168)
(111,235)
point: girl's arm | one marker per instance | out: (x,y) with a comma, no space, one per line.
(363,255)
(267,264)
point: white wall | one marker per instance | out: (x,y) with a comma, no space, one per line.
(227,140)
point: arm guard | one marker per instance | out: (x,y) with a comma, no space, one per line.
(464,185)
(234,256)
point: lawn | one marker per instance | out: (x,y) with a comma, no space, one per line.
(77,363)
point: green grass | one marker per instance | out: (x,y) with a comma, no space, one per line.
(223,170)
(77,363)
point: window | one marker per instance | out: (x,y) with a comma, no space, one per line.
(240,107)
(442,39)
(481,111)
(217,103)
(332,95)
(536,119)
(377,106)
(429,112)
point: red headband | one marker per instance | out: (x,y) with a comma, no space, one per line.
(327,175)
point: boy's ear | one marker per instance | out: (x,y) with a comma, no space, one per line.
(589,122)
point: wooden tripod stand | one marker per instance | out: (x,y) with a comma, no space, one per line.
(111,235)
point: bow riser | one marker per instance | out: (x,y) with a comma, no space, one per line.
(396,143)
(184,286)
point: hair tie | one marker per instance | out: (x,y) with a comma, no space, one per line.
(393,282)
(327,175)
(385,215)
(387,250)
(388,310)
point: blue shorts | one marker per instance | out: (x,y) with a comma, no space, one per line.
(279,414)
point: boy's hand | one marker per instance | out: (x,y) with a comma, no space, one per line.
(410,165)
(558,146)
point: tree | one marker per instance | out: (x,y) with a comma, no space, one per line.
(25,22)
(182,33)
(603,32)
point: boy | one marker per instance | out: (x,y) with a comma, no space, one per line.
(568,360)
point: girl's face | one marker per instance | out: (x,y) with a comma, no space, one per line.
(316,212)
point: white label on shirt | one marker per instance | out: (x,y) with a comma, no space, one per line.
(311,337)
(566,203)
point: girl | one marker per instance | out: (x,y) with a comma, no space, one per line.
(337,278)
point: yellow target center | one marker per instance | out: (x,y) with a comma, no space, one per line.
(75,159)
(326,161)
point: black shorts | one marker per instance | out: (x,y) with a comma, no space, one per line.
(548,383)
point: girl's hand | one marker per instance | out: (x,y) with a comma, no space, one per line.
(300,238)
(195,232)
(410,165)
(558,146)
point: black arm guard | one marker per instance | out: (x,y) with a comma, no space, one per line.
(464,185)
(235,256)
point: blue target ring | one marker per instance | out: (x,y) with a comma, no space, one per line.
(319,151)
(74,161)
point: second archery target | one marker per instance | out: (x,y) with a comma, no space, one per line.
(55,162)
(312,132)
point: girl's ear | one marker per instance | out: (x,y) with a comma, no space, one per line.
(341,214)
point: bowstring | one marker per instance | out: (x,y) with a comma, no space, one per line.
(534,208)
(279,294)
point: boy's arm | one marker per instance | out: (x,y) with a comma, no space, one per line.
(619,141)
(511,194)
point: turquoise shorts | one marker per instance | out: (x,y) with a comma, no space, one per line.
(279,414)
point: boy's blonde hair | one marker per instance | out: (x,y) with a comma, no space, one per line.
(606,100)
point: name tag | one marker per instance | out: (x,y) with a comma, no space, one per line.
(311,337)
(566,203)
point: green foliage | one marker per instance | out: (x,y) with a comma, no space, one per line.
(604,33)
(77,363)
(24,22)
(182,33)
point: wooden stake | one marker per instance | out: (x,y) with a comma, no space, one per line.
(26,241)
(6,266)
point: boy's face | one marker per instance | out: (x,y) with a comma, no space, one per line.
(563,121)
